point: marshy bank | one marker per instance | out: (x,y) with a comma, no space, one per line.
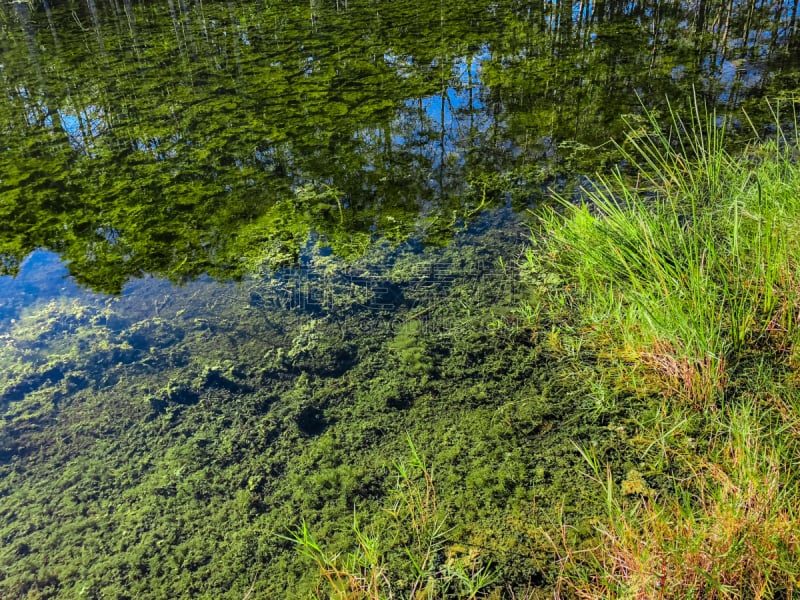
(680,276)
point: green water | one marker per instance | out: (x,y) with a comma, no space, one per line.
(246,248)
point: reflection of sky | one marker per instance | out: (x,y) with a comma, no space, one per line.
(455,119)
(78,125)
(733,77)
(43,276)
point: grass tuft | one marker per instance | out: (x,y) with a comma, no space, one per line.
(733,532)
(409,560)
(684,260)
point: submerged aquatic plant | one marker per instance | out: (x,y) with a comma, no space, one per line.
(370,571)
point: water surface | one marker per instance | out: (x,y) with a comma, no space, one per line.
(246,247)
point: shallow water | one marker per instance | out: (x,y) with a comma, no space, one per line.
(246,248)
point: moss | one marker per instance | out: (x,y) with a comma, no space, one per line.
(411,349)
(635,485)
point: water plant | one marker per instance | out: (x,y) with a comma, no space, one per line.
(410,559)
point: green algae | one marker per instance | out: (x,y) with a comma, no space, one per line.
(175,470)
(214,137)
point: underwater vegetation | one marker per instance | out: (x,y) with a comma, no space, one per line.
(171,456)
(323,356)
(609,410)
(199,140)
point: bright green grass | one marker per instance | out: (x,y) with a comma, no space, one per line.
(685,259)
(681,273)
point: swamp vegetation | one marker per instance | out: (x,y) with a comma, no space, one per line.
(358,299)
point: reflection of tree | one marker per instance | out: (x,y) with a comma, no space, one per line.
(569,71)
(187,140)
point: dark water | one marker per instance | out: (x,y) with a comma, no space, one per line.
(245,248)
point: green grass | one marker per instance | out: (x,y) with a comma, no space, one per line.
(428,564)
(684,261)
(732,531)
(680,274)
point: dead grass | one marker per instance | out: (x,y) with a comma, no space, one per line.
(731,532)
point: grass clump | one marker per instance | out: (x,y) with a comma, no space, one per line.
(680,274)
(732,532)
(682,266)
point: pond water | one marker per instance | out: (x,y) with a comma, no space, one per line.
(246,248)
